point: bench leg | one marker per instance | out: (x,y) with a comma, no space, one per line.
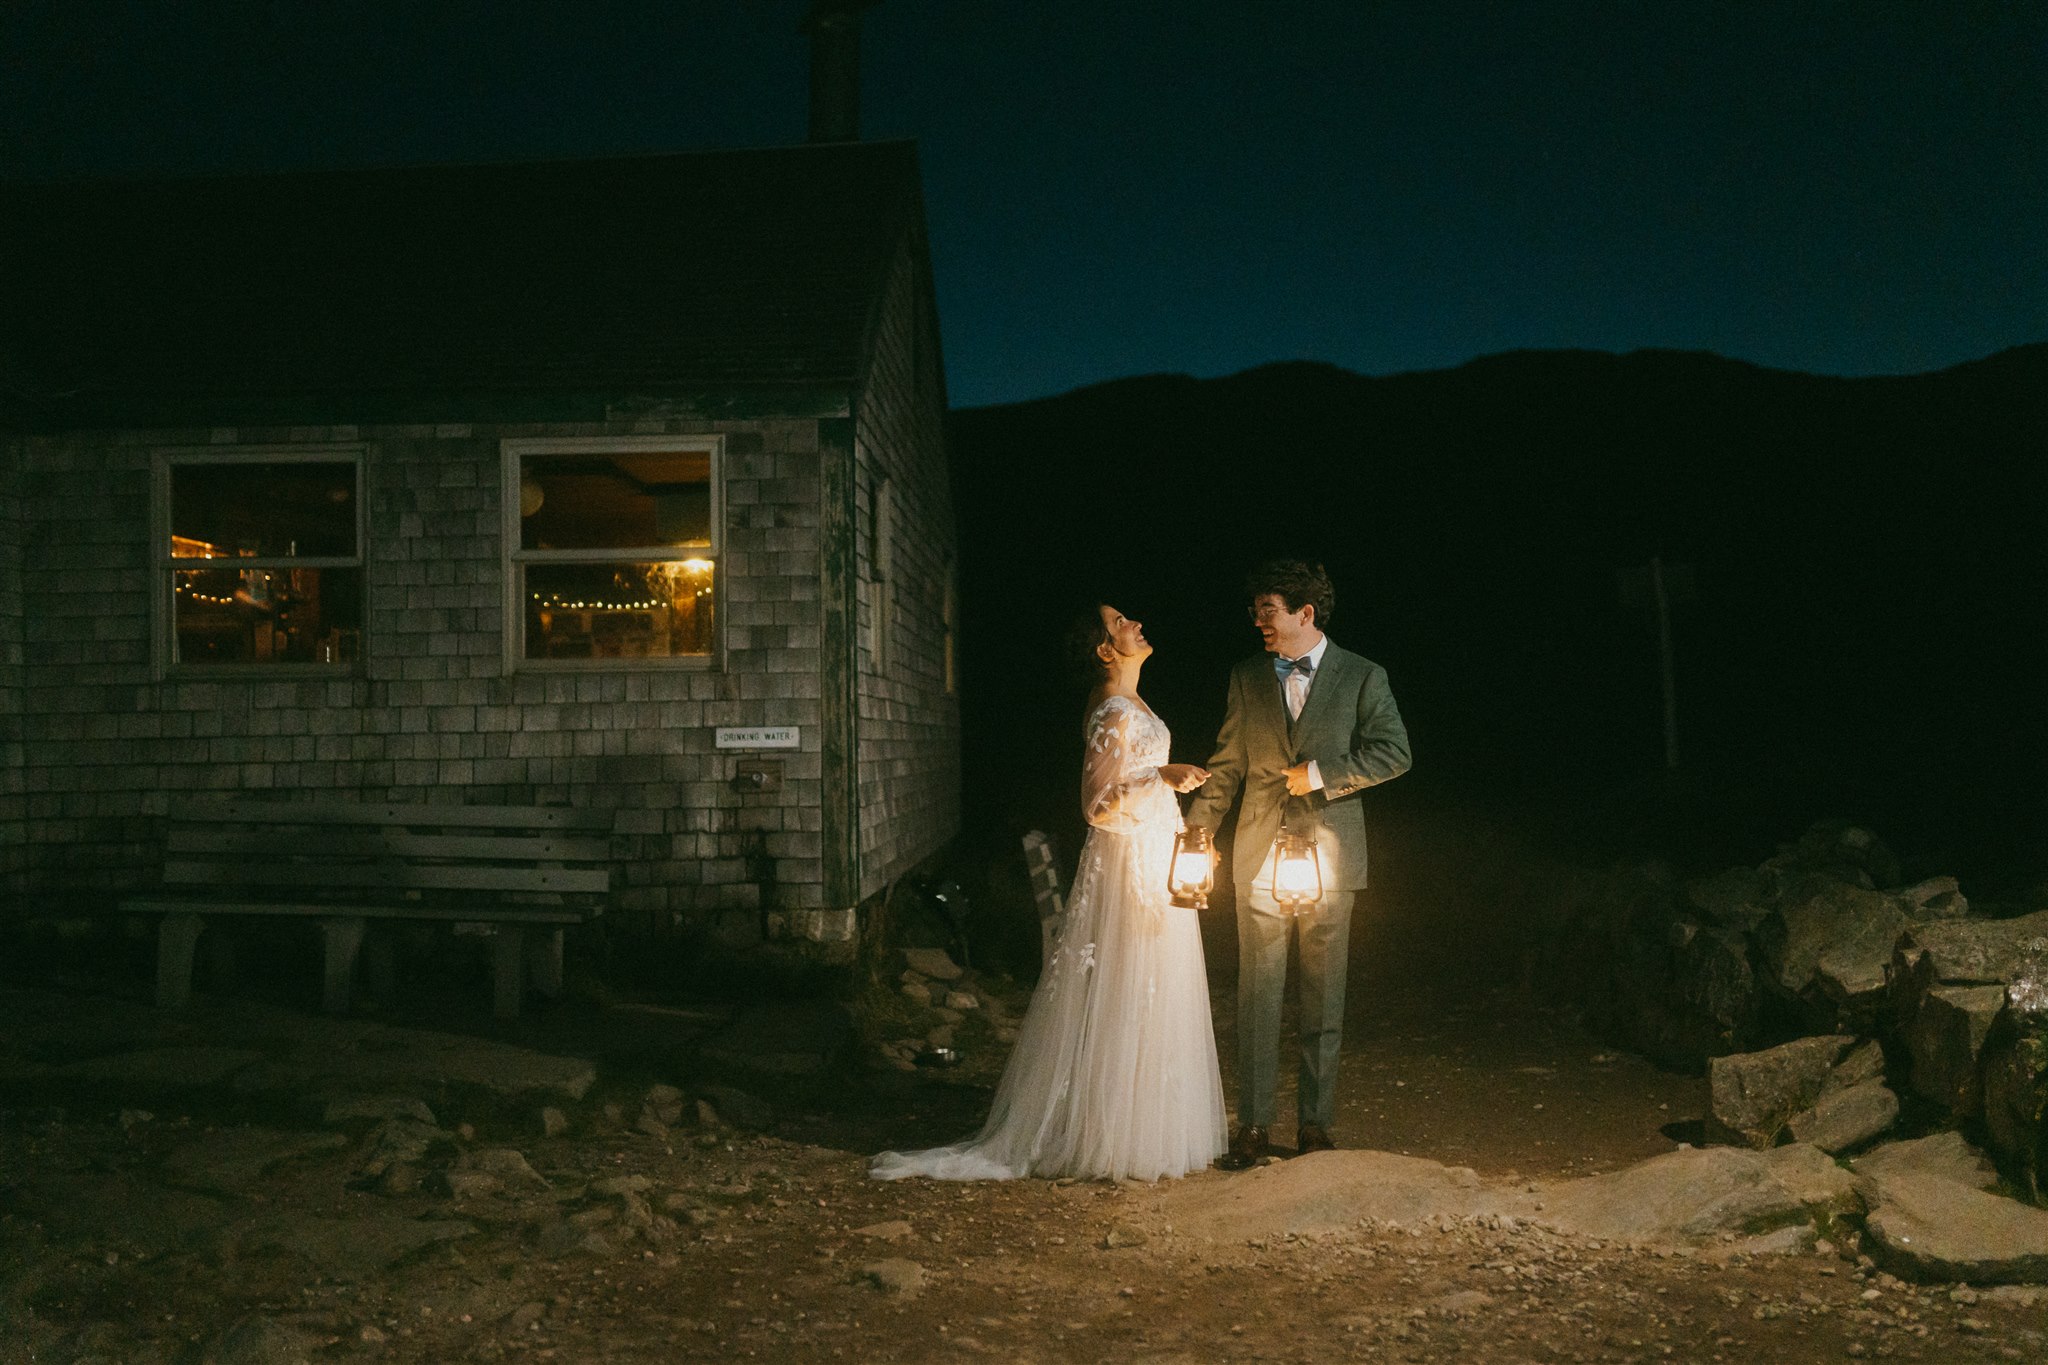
(544,962)
(344,936)
(176,939)
(509,969)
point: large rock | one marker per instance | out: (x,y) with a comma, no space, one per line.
(1737,899)
(1326,1192)
(1755,1094)
(1924,1227)
(1935,898)
(1698,1193)
(1847,1118)
(1946,1038)
(1713,974)
(2014,1067)
(1836,849)
(1968,952)
(1833,941)
(1948,1155)
(935,963)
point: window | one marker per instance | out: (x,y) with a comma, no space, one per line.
(613,548)
(259,558)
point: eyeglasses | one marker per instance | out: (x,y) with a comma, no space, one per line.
(1266,611)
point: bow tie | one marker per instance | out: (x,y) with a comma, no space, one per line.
(1304,666)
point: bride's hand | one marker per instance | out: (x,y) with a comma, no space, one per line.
(1183,777)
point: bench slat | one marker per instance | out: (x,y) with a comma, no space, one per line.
(406,813)
(237,871)
(538,914)
(185,837)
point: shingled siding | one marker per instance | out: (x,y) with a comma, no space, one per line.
(12,802)
(909,770)
(434,714)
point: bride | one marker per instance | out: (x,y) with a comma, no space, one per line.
(1114,1072)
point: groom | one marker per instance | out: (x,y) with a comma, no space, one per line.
(1308,727)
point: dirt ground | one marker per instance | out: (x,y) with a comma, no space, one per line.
(711,1243)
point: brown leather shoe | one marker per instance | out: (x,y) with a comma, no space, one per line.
(1248,1147)
(1313,1138)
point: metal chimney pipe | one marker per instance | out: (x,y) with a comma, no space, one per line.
(834,26)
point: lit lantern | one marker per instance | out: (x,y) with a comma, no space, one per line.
(1193,874)
(1297,873)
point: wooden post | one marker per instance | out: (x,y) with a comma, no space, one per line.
(509,970)
(344,941)
(176,939)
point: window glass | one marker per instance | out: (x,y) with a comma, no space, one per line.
(619,610)
(278,511)
(245,616)
(282,581)
(617,550)
(615,501)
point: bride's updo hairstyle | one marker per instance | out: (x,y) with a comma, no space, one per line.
(1084,636)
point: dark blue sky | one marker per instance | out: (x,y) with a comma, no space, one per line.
(1120,187)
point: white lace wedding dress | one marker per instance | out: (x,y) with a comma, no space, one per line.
(1114,1071)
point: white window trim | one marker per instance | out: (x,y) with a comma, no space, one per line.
(164,567)
(515,559)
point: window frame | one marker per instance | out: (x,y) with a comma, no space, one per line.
(514,450)
(165,567)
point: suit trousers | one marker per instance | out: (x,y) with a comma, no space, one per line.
(1322,934)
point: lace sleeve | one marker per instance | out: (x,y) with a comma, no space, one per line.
(1109,782)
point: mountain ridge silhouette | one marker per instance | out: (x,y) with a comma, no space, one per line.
(1864,555)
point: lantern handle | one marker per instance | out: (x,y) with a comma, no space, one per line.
(1289,808)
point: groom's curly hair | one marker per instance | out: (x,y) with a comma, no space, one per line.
(1297,583)
(1084,634)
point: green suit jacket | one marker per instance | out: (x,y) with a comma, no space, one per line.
(1349,726)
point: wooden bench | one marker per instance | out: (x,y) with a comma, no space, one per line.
(515,868)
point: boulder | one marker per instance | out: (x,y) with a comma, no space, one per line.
(2014,1071)
(894,1276)
(1712,973)
(1847,1118)
(1325,1192)
(1832,941)
(1696,1194)
(1948,1155)
(1968,952)
(1864,1062)
(1736,899)
(1946,1038)
(1755,1094)
(1924,1227)
(1839,849)
(935,963)
(1935,898)
(738,1109)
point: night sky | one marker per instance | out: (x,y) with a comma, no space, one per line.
(1128,188)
